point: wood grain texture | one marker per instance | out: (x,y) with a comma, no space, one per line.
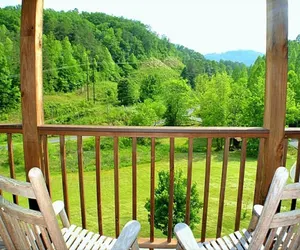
(116,186)
(223,187)
(98,183)
(276,88)
(296,177)
(152,189)
(189,182)
(31,79)
(241,185)
(11,162)
(134,179)
(45,205)
(285,149)
(81,180)
(46,163)
(206,188)
(171,189)
(270,207)
(202,132)
(11,128)
(64,177)
(16,187)
(259,173)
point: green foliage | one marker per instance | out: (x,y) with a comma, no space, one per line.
(127,92)
(147,113)
(107,92)
(161,197)
(9,94)
(176,95)
(148,88)
(214,100)
(69,77)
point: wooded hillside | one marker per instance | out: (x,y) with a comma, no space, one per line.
(116,63)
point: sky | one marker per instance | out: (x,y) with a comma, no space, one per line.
(206,26)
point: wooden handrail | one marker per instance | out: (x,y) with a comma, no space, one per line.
(205,132)
(292,133)
(178,131)
(11,128)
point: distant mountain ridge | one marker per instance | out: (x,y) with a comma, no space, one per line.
(247,57)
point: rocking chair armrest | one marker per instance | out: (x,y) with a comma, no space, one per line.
(256,213)
(128,236)
(59,209)
(185,237)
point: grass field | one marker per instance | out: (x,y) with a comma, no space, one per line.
(162,163)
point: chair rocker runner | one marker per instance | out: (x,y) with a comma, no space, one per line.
(23,228)
(273,231)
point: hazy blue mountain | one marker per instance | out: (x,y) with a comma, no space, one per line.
(247,57)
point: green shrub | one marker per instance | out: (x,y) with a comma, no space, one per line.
(161,216)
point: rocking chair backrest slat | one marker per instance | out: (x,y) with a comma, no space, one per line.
(23,228)
(285,219)
(16,187)
(271,204)
(278,230)
(291,191)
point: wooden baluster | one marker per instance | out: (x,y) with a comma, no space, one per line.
(297,172)
(11,162)
(285,149)
(171,190)
(189,182)
(64,173)
(259,174)
(46,162)
(134,180)
(206,188)
(42,154)
(98,183)
(152,190)
(116,186)
(223,186)
(81,181)
(241,185)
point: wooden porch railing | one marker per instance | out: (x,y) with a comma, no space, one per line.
(153,133)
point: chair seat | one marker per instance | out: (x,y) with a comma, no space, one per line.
(79,238)
(238,240)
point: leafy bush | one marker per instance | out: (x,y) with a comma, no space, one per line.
(161,215)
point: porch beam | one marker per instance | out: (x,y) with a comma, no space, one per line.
(31,79)
(275,92)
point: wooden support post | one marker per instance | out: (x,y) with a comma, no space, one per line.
(31,80)
(275,93)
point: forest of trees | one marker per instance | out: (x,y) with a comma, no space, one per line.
(134,67)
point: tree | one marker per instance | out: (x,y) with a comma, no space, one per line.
(9,94)
(177,96)
(127,92)
(148,88)
(214,100)
(107,67)
(161,216)
(147,113)
(51,55)
(69,70)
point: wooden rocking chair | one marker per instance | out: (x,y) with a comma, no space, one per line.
(273,231)
(23,228)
